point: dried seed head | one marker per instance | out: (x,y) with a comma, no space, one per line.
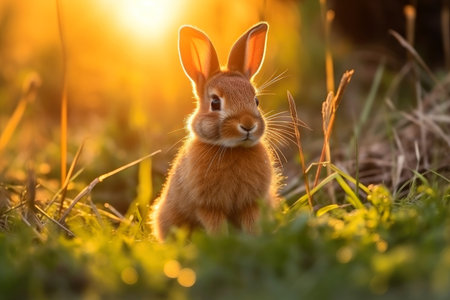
(30,85)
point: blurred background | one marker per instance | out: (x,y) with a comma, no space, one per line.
(128,95)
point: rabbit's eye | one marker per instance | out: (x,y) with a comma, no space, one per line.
(256,101)
(215,102)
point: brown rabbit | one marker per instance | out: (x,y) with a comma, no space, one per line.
(225,166)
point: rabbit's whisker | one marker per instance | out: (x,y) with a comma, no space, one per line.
(284,131)
(184,138)
(177,130)
(264,84)
(273,152)
(222,154)
(211,163)
(276,151)
(282,124)
(270,114)
(267,113)
(205,152)
(266,93)
(280,119)
(284,128)
(273,80)
(279,138)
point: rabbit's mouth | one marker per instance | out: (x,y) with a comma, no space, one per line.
(248,140)
(249,137)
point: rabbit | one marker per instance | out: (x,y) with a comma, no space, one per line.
(225,169)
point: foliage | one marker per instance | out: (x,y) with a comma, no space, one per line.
(391,247)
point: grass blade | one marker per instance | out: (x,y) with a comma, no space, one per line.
(440,176)
(368,104)
(140,205)
(55,195)
(326,209)
(349,178)
(445,25)
(314,190)
(31,84)
(415,55)
(345,80)
(94,182)
(327,16)
(352,198)
(54,221)
(67,178)
(64,94)
(294,116)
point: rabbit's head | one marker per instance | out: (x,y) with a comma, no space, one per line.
(227,111)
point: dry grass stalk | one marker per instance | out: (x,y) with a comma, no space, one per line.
(328,57)
(114,211)
(99,179)
(425,122)
(30,200)
(293,110)
(398,165)
(445,25)
(4,202)
(330,117)
(326,115)
(82,206)
(326,111)
(63,136)
(30,86)
(67,178)
(36,232)
(64,95)
(410,15)
(40,210)
(6,212)
(404,43)
(31,189)
(57,194)
(327,18)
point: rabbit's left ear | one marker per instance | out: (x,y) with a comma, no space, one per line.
(247,53)
(198,56)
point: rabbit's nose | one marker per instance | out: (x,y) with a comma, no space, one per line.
(247,124)
(247,128)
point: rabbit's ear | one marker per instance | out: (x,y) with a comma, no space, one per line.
(197,54)
(247,53)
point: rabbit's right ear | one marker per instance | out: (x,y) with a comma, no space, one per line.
(198,56)
(247,53)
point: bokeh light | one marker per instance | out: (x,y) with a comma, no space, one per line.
(172,268)
(186,277)
(129,275)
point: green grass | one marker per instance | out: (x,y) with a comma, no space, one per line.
(391,247)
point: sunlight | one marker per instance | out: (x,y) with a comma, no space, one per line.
(147,18)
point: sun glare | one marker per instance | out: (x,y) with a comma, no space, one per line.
(147,18)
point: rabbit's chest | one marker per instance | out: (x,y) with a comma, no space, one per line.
(230,177)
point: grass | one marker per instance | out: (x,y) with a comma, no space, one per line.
(390,247)
(368,240)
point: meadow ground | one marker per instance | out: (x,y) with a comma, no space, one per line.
(77,181)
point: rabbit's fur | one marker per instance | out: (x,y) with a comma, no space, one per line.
(225,167)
